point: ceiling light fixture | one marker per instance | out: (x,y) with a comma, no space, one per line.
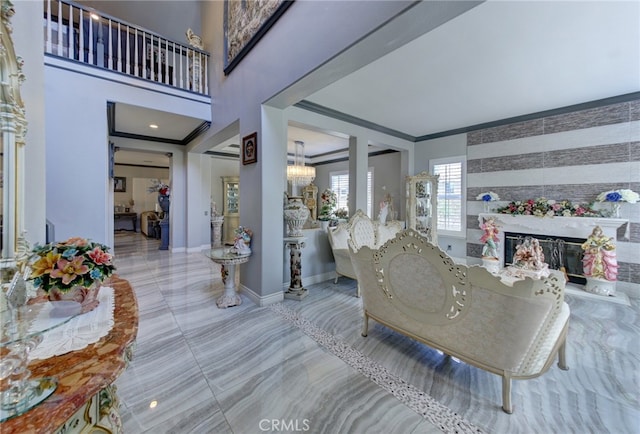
(154,126)
(94,16)
(298,173)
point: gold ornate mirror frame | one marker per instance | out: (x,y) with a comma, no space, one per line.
(13,128)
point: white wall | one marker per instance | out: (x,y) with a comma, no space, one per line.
(30,49)
(77,150)
(278,61)
(443,147)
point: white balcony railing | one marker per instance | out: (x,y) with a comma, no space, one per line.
(85,35)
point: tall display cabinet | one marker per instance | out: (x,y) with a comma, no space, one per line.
(231,211)
(422,205)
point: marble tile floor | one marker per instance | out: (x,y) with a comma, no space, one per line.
(302,366)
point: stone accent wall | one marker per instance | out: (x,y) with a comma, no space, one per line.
(571,156)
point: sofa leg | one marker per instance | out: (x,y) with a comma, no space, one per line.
(562,356)
(358,290)
(335,280)
(365,325)
(506,394)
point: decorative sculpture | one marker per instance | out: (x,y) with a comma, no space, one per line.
(528,260)
(599,263)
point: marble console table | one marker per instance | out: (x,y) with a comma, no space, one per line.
(85,395)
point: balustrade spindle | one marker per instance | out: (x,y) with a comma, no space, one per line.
(128,63)
(110,51)
(72,45)
(90,39)
(81,26)
(119,48)
(136,66)
(144,55)
(60,38)
(49,37)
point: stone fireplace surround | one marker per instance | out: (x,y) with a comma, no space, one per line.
(570,227)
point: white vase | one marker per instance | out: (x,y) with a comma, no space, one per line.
(324,224)
(295,215)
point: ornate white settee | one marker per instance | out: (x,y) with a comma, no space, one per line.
(413,287)
(363,232)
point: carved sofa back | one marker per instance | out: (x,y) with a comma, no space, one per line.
(360,230)
(413,287)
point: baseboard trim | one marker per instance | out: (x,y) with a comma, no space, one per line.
(258,300)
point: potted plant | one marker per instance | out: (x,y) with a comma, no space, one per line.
(328,201)
(71,270)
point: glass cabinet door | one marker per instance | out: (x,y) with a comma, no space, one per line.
(231,198)
(422,208)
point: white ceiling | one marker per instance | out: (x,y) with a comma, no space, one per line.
(499,60)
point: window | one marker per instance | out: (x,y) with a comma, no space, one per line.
(451,195)
(340,185)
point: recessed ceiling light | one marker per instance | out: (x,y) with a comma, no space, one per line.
(154,126)
(95,17)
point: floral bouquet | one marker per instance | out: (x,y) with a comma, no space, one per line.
(614,197)
(75,262)
(542,207)
(342,213)
(328,202)
(622,195)
(162,188)
(489,196)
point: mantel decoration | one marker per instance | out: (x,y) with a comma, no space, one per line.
(487,197)
(490,258)
(615,197)
(242,241)
(72,270)
(542,207)
(599,263)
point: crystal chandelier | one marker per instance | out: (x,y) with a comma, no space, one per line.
(298,173)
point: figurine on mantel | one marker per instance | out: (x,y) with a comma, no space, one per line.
(490,259)
(528,260)
(599,263)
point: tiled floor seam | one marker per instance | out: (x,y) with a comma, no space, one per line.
(411,396)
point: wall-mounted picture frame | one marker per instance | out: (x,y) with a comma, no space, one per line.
(119,184)
(250,149)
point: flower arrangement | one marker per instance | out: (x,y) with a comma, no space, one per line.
(328,202)
(342,213)
(75,262)
(622,195)
(489,196)
(542,207)
(159,186)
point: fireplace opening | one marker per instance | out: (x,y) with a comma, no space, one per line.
(559,252)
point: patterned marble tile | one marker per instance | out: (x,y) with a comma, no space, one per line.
(229,370)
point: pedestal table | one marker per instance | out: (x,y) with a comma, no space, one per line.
(228,260)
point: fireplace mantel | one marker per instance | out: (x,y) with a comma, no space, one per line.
(570,227)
